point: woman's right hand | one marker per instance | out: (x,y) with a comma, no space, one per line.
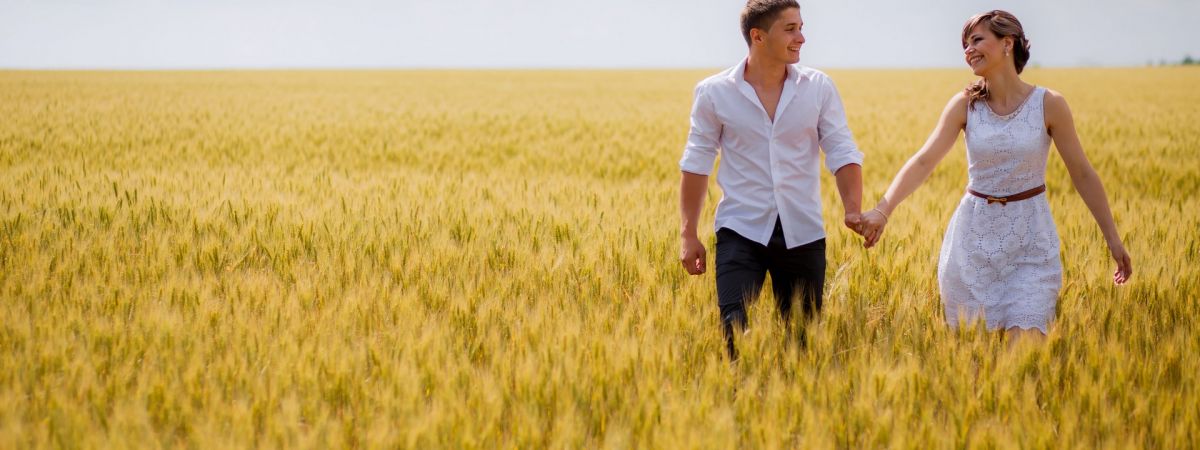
(1124,263)
(872,223)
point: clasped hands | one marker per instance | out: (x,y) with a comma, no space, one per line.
(869,225)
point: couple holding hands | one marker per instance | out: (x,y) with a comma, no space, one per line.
(769,117)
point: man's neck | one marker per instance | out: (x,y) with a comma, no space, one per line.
(764,72)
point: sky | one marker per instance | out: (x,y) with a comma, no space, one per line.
(215,34)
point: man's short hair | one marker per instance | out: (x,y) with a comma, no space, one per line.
(762,13)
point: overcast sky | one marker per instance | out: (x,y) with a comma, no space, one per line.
(562,33)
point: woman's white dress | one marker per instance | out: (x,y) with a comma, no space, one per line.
(1000,263)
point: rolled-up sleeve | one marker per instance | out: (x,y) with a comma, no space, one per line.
(834,133)
(704,136)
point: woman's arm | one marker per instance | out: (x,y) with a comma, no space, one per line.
(918,168)
(1061,126)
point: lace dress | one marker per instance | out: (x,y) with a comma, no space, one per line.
(1000,263)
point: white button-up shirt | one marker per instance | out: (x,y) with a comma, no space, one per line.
(769,170)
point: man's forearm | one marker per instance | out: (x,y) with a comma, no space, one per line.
(692,188)
(849,183)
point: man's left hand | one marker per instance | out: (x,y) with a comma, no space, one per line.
(853,221)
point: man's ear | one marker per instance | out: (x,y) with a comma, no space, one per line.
(757,35)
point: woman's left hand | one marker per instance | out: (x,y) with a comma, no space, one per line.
(1124,263)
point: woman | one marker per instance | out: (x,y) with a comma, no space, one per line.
(999,258)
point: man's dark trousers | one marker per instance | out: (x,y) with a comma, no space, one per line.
(742,266)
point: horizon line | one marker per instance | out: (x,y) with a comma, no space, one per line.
(315,68)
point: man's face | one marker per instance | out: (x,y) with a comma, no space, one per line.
(784,38)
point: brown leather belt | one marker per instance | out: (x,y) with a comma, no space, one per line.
(1011,198)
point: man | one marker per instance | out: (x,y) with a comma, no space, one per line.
(768,117)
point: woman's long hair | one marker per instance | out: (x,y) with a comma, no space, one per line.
(1002,24)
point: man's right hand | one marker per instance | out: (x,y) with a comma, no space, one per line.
(692,255)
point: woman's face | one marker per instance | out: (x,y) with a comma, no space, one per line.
(984,52)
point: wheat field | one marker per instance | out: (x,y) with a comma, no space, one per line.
(482,259)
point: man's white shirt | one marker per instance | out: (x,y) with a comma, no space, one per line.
(769,170)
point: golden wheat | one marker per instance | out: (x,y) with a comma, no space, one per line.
(488,259)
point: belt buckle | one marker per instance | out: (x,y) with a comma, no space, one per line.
(1002,200)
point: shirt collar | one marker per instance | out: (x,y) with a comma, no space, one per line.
(739,72)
